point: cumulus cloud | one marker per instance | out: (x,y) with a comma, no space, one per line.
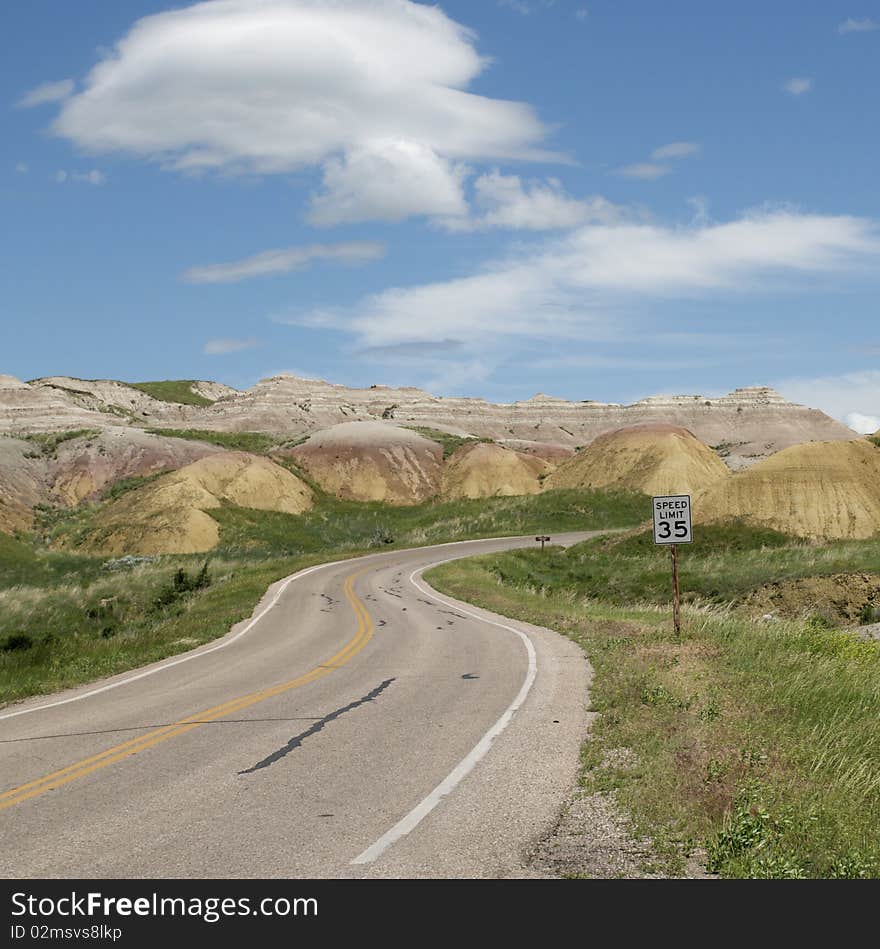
(849,25)
(565,286)
(505,201)
(224,345)
(271,86)
(284,260)
(798,85)
(852,397)
(675,150)
(390,181)
(46,92)
(645,169)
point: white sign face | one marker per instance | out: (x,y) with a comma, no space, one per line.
(672,519)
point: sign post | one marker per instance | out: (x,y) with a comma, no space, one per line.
(672,526)
(543,539)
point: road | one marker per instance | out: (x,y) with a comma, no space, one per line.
(359,725)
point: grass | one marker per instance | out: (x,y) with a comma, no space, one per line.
(83,621)
(754,745)
(449,443)
(726,562)
(178,391)
(256,442)
(47,443)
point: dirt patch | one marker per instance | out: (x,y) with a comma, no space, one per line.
(842,598)
(371,461)
(824,490)
(652,458)
(488,470)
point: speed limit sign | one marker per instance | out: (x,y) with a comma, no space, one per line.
(672,519)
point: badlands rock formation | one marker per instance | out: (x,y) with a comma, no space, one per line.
(170,515)
(651,458)
(22,484)
(745,426)
(82,468)
(371,461)
(486,470)
(822,490)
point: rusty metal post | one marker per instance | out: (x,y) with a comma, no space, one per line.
(676,615)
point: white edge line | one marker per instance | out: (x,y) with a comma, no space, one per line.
(479,751)
(198,653)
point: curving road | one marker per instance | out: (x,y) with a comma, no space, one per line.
(358,725)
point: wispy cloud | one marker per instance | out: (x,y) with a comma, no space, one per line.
(798,85)
(582,14)
(284,260)
(675,150)
(93,177)
(849,25)
(224,345)
(46,92)
(507,202)
(646,170)
(21,167)
(573,286)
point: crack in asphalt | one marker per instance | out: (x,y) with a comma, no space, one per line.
(297,740)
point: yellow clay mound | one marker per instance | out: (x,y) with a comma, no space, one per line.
(653,458)
(371,461)
(169,515)
(487,470)
(822,490)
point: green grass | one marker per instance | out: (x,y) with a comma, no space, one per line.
(755,745)
(256,442)
(725,562)
(337,524)
(124,485)
(449,443)
(178,391)
(875,439)
(55,599)
(48,442)
(74,632)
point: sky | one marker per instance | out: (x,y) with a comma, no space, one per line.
(596,200)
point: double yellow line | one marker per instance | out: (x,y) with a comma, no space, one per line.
(132,747)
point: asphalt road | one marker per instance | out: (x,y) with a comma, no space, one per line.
(358,725)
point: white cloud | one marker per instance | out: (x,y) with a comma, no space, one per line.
(224,345)
(581,14)
(284,260)
(46,92)
(849,25)
(798,86)
(675,150)
(271,86)
(851,397)
(388,180)
(565,287)
(863,424)
(505,202)
(21,167)
(93,177)
(645,170)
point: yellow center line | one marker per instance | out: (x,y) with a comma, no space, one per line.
(118,752)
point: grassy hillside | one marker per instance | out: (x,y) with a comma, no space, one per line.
(178,391)
(752,745)
(256,442)
(725,562)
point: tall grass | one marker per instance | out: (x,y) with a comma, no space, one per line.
(753,745)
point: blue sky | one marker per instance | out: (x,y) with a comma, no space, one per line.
(599,200)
